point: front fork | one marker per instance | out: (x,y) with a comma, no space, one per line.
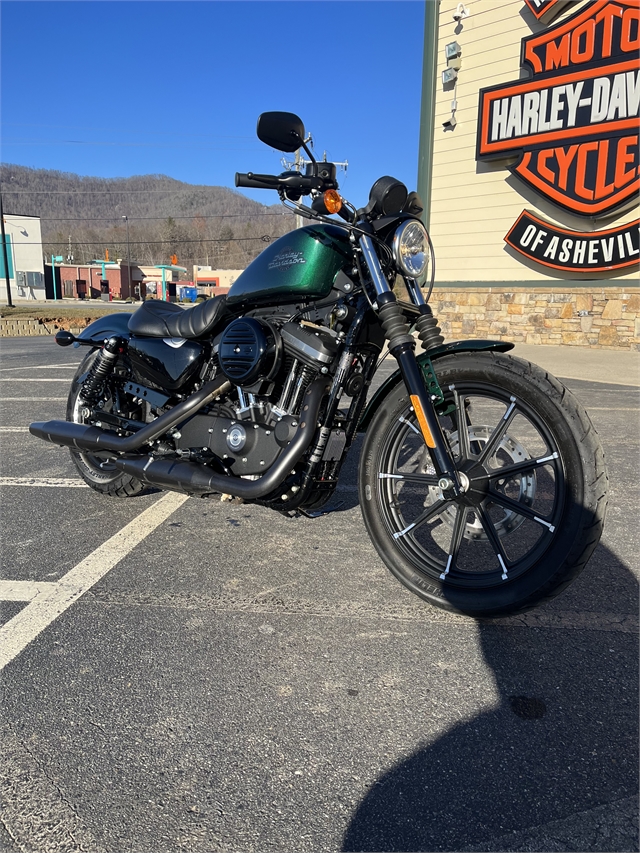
(402,347)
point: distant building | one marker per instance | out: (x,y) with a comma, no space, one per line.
(83,281)
(24,254)
(213,282)
(161,281)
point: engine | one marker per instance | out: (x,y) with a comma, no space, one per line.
(271,364)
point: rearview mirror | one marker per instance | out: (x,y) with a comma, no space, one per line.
(283,131)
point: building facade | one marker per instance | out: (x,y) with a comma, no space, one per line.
(83,281)
(213,282)
(24,255)
(529,168)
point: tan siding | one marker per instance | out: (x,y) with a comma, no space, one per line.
(475,204)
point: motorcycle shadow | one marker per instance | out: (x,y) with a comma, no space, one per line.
(345,496)
(553,765)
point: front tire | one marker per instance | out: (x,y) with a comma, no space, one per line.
(535,479)
(95,468)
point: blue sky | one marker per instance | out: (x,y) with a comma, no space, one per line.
(116,89)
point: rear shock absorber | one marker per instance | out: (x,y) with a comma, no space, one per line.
(101,369)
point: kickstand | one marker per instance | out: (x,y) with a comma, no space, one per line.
(319,512)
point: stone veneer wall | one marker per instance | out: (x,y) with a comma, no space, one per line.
(18,326)
(577,316)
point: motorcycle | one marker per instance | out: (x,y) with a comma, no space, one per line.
(482,481)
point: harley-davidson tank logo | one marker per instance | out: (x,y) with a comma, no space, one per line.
(574,251)
(286,258)
(574,122)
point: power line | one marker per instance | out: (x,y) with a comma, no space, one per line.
(157,218)
(174,146)
(186,188)
(265,238)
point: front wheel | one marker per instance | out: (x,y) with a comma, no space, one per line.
(534,479)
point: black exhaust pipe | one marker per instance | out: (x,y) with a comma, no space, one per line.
(83,437)
(196,479)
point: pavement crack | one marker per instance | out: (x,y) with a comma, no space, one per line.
(25,782)
(98,726)
(263,603)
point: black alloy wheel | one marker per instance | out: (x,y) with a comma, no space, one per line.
(532,504)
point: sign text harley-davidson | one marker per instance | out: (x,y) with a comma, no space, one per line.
(574,123)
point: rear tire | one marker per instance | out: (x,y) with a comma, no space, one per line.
(95,469)
(509,542)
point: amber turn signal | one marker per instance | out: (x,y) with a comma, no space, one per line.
(332,201)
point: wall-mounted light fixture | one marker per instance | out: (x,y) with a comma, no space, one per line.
(452,50)
(449,76)
(452,53)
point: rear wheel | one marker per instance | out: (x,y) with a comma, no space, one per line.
(96,469)
(534,481)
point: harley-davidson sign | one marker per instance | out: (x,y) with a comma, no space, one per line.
(575,251)
(574,123)
(545,8)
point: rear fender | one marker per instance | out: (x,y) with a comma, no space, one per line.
(97,332)
(434,354)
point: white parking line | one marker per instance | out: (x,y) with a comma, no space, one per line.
(45,482)
(14,429)
(50,602)
(31,399)
(23,590)
(41,367)
(30,379)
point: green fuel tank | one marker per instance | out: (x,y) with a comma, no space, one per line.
(300,266)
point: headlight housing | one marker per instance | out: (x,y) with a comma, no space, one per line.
(411,248)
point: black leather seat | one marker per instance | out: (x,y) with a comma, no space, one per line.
(155,319)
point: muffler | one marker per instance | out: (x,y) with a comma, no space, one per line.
(82,437)
(193,479)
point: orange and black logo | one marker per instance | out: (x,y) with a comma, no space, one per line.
(574,122)
(575,251)
(545,9)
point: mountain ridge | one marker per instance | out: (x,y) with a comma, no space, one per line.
(205,225)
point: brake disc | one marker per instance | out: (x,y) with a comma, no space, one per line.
(524,483)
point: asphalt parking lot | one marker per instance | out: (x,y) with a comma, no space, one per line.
(191,675)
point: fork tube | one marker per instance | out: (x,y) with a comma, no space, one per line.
(414,292)
(377,277)
(427,418)
(402,346)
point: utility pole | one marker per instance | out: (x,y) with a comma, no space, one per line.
(300,161)
(126,219)
(5,255)
(298,167)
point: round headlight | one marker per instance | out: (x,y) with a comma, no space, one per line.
(411,248)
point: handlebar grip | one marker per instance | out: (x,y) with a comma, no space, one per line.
(258,182)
